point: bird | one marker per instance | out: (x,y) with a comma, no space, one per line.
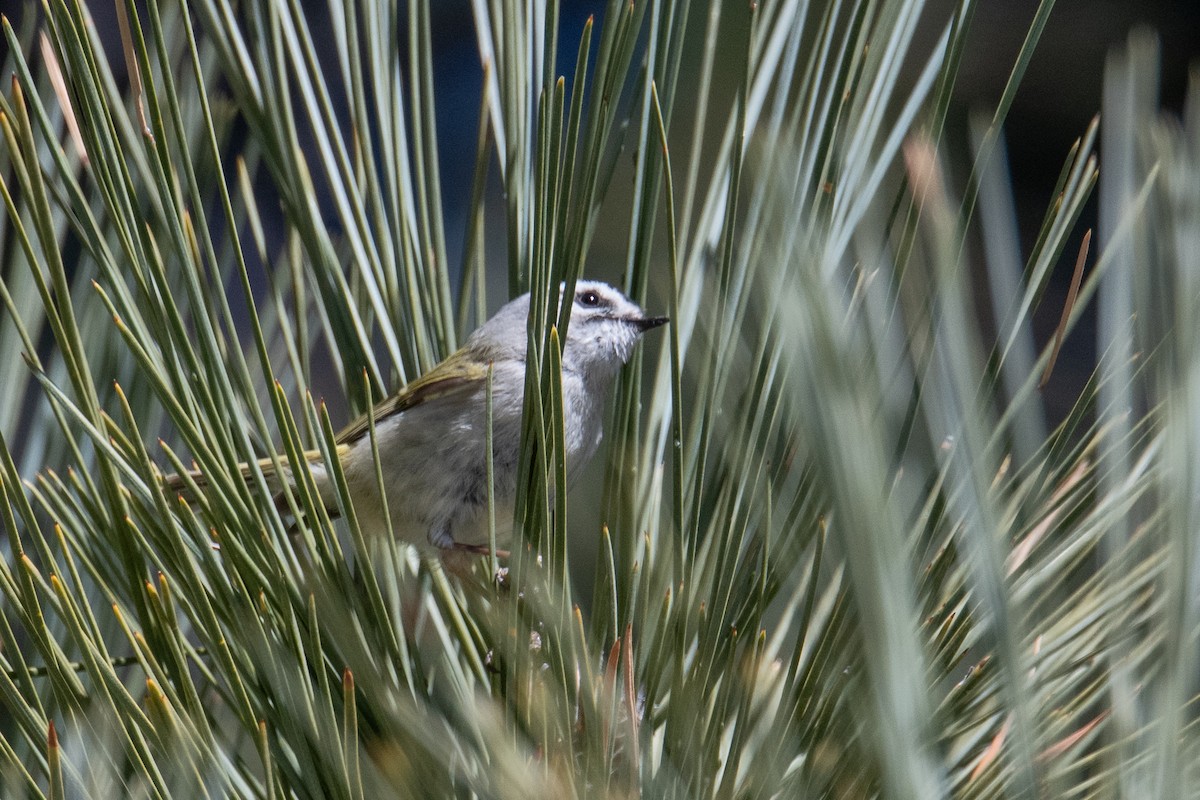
(431,434)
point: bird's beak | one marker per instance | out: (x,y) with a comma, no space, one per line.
(647,323)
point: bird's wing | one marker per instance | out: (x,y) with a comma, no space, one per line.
(458,374)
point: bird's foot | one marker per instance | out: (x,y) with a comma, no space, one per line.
(501,576)
(480,550)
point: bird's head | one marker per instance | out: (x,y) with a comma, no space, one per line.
(605,326)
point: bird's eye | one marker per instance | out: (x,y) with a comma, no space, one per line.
(590,299)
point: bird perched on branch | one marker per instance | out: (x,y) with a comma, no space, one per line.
(431,435)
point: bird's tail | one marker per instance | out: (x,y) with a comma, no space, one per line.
(185,484)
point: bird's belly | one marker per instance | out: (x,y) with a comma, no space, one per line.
(434,479)
(434,468)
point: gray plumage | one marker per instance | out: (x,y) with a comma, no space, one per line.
(431,434)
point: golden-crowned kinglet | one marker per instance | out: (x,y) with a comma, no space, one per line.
(431,434)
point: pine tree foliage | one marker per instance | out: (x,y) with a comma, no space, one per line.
(841,551)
